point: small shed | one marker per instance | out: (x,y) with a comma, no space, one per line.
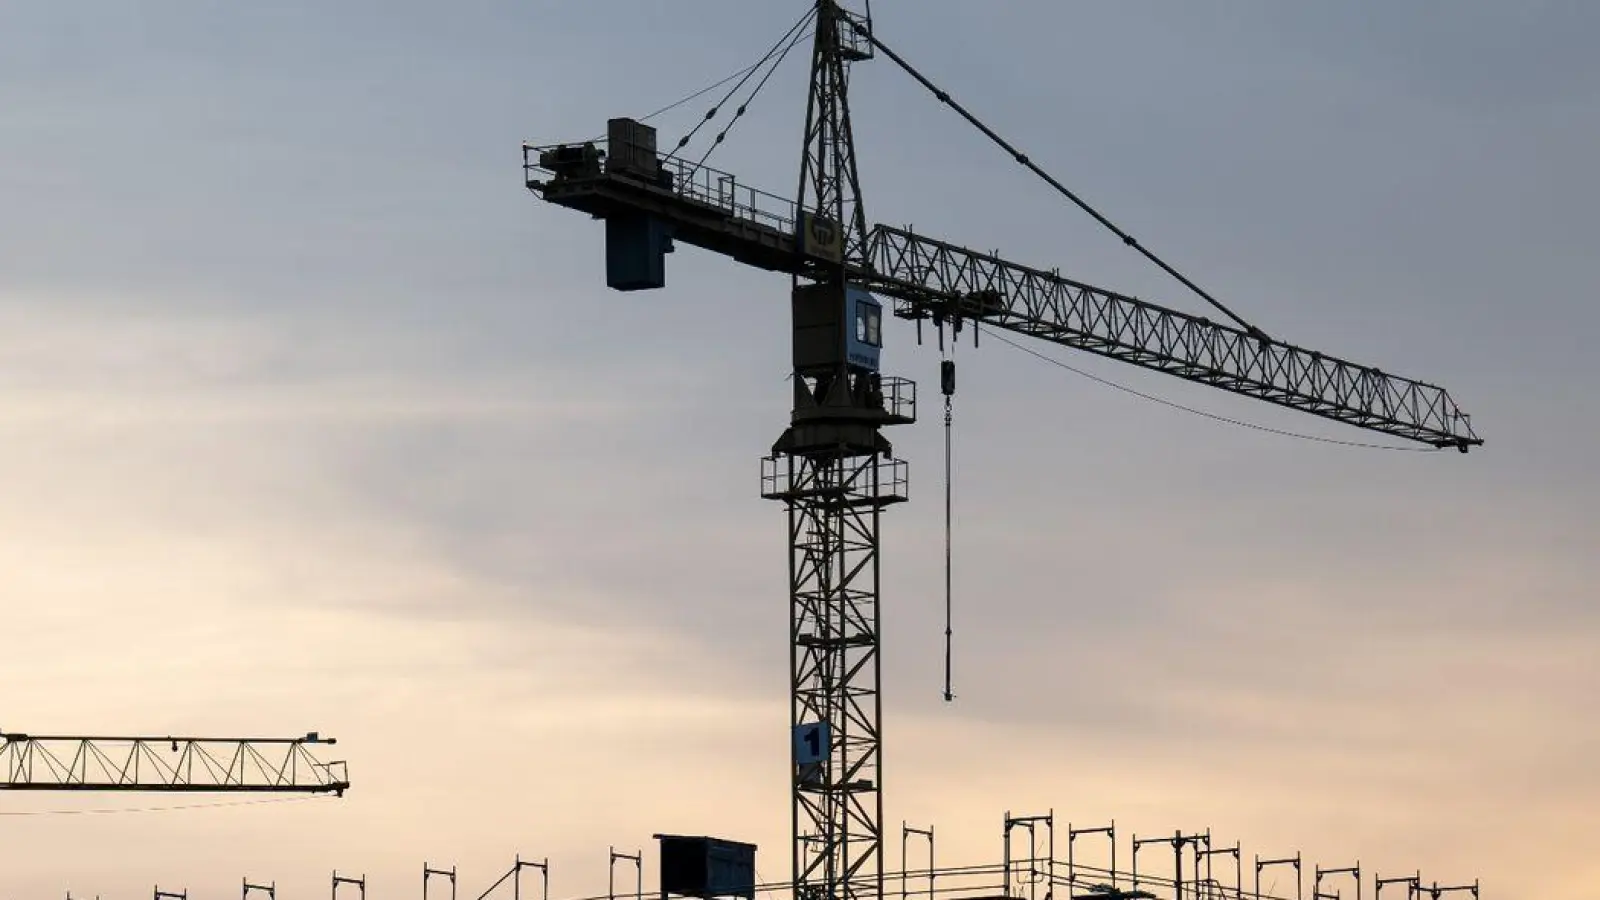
(707,868)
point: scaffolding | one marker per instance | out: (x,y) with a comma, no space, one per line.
(1194,866)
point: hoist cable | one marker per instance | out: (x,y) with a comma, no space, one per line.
(947,386)
(1128,239)
(948,518)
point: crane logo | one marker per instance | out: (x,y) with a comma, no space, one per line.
(820,237)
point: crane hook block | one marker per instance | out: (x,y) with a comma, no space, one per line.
(947,376)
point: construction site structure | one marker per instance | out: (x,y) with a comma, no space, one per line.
(32,762)
(77,763)
(698,867)
(833,468)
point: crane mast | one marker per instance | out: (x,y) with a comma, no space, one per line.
(832,467)
(835,473)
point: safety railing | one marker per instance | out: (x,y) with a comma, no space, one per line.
(687,180)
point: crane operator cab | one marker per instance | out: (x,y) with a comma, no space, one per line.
(838,344)
(836,330)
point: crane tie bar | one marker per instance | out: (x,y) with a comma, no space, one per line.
(1128,239)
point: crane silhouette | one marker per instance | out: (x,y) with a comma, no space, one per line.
(832,467)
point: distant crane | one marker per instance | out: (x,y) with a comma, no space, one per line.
(832,467)
(169,764)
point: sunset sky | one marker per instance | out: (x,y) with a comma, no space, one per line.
(312,417)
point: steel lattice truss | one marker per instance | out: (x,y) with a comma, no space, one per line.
(829,182)
(930,277)
(834,505)
(181,764)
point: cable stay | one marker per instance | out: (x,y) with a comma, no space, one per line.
(697,94)
(1128,239)
(780,49)
(692,97)
(739,113)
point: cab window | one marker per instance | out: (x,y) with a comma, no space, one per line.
(869,324)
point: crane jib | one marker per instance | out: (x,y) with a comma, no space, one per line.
(32,762)
(931,277)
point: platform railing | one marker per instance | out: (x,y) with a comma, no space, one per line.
(686,179)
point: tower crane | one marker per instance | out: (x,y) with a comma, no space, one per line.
(832,467)
(169,764)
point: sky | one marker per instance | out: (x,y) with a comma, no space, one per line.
(312,417)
